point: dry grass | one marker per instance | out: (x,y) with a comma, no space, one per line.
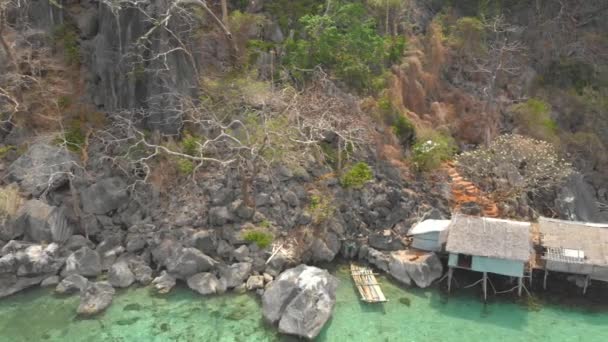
(10,202)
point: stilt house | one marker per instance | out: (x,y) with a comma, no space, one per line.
(489,245)
(574,247)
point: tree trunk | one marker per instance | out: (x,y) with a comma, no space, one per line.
(225,12)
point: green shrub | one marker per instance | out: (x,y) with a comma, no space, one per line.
(320,208)
(64,102)
(429,152)
(185,166)
(357,176)
(261,238)
(67,36)
(533,117)
(72,137)
(4,150)
(190,144)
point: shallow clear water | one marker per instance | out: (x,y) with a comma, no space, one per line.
(411,315)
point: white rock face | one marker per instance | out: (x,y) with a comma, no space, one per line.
(300,300)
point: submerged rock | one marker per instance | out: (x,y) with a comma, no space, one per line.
(206,284)
(71,284)
(300,300)
(164,283)
(95,298)
(11,284)
(407,266)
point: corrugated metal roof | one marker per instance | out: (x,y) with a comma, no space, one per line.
(428,226)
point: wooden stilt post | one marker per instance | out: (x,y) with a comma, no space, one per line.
(586,284)
(450,272)
(545,279)
(485,286)
(521,284)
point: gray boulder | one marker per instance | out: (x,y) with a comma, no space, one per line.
(206,284)
(41,168)
(104,196)
(408,267)
(85,262)
(109,250)
(136,243)
(163,283)
(300,300)
(385,241)
(141,271)
(375,257)
(325,250)
(255,282)
(219,216)
(50,281)
(120,274)
(38,260)
(42,222)
(71,284)
(205,241)
(189,261)
(76,242)
(95,298)
(11,284)
(235,274)
(241,253)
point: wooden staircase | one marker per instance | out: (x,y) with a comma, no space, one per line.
(464,191)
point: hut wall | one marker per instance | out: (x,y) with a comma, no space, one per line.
(513,268)
(427,241)
(565,267)
(600,273)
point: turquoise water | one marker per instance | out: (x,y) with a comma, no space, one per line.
(411,315)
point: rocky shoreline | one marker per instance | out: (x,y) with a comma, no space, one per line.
(91,235)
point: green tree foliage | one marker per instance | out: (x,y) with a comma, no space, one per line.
(534,119)
(400,124)
(345,42)
(431,150)
(357,176)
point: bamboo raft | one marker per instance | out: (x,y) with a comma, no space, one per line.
(366,283)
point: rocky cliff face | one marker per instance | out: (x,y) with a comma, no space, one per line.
(120,70)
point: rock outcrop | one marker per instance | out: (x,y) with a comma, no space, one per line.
(41,168)
(408,266)
(85,262)
(300,301)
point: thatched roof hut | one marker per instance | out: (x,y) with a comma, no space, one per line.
(489,237)
(575,247)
